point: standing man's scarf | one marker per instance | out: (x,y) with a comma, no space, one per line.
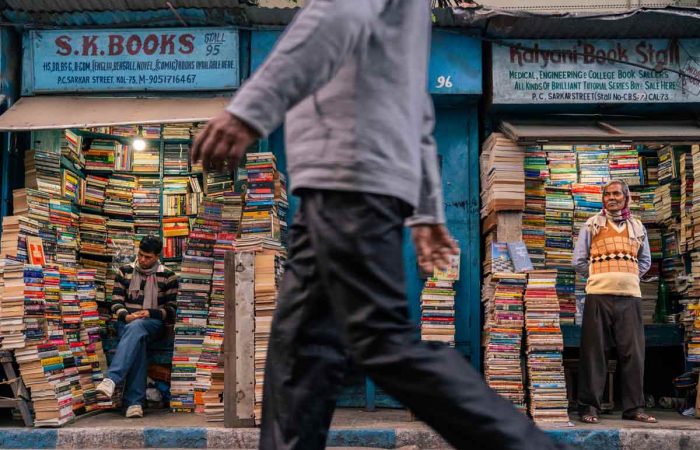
(150,290)
(600,220)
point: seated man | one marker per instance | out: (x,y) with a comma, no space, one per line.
(143,300)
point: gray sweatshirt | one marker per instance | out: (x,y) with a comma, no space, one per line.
(351,77)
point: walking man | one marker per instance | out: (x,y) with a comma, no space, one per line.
(613,252)
(360,153)
(142,301)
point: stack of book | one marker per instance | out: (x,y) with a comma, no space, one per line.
(123,157)
(65,218)
(231,213)
(562,163)
(645,201)
(175,158)
(195,196)
(100,266)
(146,160)
(268,270)
(213,398)
(695,210)
(34,304)
(93,234)
(12,306)
(592,164)
(71,148)
(52,307)
(655,242)
(90,323)
(624,164)
(93,195)
(101,155)
(120,223)
(438,311)
(216,183)
(544,347)
(119,195)
(42,170)
(125,130)
(71,185)
(175,190)
(667,202)
(175,232)
(70,304)
(686,201)
(146,203)
(667,167)
(260,214)
(503,332)
(588,201)
(649,166)
(211,356)
(502,177)
(192,305)
(559,226)
(566,292)
(176,130)
(150,131)
(535,164)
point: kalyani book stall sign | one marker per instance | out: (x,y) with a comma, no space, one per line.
(159,59)
(597,71)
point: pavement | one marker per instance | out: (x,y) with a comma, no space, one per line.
(351,429)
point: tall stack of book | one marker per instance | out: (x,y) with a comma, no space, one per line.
(175,190)
(175,232)
(216,183)
(268,271)
(686,201)
(588,201)
(90,323)
(175,158)
(93,234)
(655,242)
(93,195)
(71,185)
(438,311)
(624,164)
(503,337)
(12,306)
(146,160)
(645,200)
(101,155)
(195,196)
(213,398)
(34,304)
(120,222)
(562,163)
(231,213)
(559,226)
(70,304)
(502,177)
(566,293)
(146,203)
(666,208)
(65,216)
(260,219)
(544,347)
(592,164)
(667,168)
(42,170)
(52,306)
(649,165)
(192,305)
(211,356)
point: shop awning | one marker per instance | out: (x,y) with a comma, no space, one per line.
(602,130)
(57,112)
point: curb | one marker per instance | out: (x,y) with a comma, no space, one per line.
(246,438)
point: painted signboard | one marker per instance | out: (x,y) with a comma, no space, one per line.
(596,71)
(162,59)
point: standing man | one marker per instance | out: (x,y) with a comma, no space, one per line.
(360,152)
(143,300)
(613,252)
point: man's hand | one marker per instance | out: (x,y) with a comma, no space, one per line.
(434,246)
(225,138)
(143,314)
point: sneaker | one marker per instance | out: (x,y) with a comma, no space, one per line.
(134,412)
(105,388)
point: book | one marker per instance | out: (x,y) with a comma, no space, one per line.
(519,256)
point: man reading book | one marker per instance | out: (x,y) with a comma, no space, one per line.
(143,300)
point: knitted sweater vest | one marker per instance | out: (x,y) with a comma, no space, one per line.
(613,265)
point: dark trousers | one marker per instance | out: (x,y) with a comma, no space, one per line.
(343,296)
(611,320)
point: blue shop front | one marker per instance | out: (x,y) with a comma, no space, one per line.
(569,115)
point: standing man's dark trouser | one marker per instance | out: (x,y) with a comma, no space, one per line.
(343,295)
(611,320)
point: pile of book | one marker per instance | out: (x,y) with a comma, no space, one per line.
(649,166)
(593,164)
(71,148)
(562,163)
(686,201)
(666,208)
(101,155)
(146,160)
(624,164)
(125,130)
(260,212)
(644,198)
(71,185)
(12,305)
(175,158)
(559,226)
(93,195)
(231,213)
(588,201)
(93,234)
(192,305)
(146,203)
(64,216)
(503,333)
(566,293)
(123,157)
(175,232)
(42,170)
(268,271)
(34,304)
(437,322)
(176,130)
(544,347)
(70,304)
(502,179)
(667,167)
(216,183)
(150,131)
(655,242)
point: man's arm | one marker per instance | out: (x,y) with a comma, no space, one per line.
(307,56)
(430,208)
(644,257)
(582,252)
(119,294)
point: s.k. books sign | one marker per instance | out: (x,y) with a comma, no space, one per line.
(160,59)
(597,71)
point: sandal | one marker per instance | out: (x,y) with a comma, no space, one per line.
(589,418)
(642,417)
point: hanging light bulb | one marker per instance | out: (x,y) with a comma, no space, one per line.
(139,144)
